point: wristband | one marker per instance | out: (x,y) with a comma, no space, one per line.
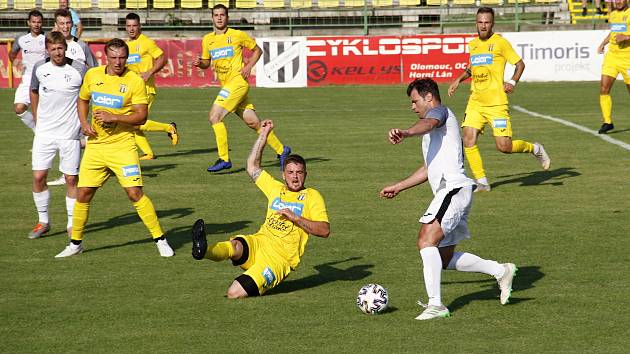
(512,82)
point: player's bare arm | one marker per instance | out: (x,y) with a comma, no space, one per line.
(315,228)
(138,116)
(421,127)
(418,177)
(455,84)
(158,64)
(83,108)
(247,68)
(620,37)
(34,95)
(519,68)
(201,63)
(253,161)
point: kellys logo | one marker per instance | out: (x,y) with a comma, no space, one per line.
(105,100)
(296,208)
(481,59)
(222,53)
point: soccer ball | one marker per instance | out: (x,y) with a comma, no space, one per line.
(372,299)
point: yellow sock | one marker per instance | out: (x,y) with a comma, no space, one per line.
(153,126)
(79,218)
(605,103)
(146,211)
(143,142)
(220,251)
(522,146)
(474,160)
(274,142)
(220,133)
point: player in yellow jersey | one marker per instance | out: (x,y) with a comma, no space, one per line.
(488,102)
(146,59)
(616,60)
(223,49)
(119,104)
(293,212)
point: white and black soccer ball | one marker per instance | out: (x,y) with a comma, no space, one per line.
(372,299)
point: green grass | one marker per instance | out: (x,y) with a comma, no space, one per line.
(567,229)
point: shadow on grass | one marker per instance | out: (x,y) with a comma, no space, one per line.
(271,164)
(537,178)
(188,152)
(153,170)
(525,279)
(618,131)
(326,274)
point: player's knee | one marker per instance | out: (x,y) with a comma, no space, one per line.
(134,194)
(71,181)
(19,108)
(39,181)
(236,291)
(505,148)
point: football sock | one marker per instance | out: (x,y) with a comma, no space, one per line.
(468,262)
(41,203)
(220,251)
(474,160)
(79,218)
(27,119)
(220,133)
(605,103)
(142,142)
(146,211)
(274,142)
(153,126)
(522,146)
(432,270)
(69,209)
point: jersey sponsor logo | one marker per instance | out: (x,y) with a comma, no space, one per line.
(618,27)
(131,170)
(133,59)
(105,100)
(481,59)
(499,123)
(222,53)
(296,208)
(224,93)
(267,273)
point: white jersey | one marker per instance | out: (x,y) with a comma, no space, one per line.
(33,50)
(58,88)
(443,152)
(79,50)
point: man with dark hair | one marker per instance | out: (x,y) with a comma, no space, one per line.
(488,102)
(293,212)
(223,49)
(119,104)
(146,59)
(77,49)
(33,50)
(77,26)
(444,224)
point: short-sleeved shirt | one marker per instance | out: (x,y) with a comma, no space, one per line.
(33,50)
(114,94)
(286,238)
(443,153)
(142,52)
(226,52)
(58,89)
(79,50)
(487,65)
(619,22)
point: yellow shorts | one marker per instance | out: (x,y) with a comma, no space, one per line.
(498,117)
(261,263)
(99,163)
(233,97)
(615,64)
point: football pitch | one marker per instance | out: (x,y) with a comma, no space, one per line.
(567,229)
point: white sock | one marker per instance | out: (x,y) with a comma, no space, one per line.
(483,180)
(536,149)
(70,209)
(41,203)
(432,269)
(468,262)
(27,119)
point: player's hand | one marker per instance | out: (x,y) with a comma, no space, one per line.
(145,76)
(600,49)
(196,61)
(287,214)
(104,117)
(395,136)
(246,71)
(452,88)
(266,126)
(507,87)
(620,37)
(389,192)
(87,130)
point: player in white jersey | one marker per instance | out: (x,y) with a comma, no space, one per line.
(77,49)
(54,91)
(444,224)
(33,50)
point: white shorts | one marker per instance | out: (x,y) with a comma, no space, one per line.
(22,94)
(45,149)
(451,208)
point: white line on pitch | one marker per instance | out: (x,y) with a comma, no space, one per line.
(576,126)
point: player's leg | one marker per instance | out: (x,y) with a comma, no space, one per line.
(472,127)
(610,70)
(20,104)
(43,153)
(143,144)
(69,159)
(247,112)
(429,238)
(79,219)
(216,117)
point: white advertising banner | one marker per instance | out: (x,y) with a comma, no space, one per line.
(283,63)
(558,55)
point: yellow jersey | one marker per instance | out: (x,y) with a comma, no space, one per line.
(142,52)
(286,238)
(487,65)
(114,94)
(619,22)
(226,52)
